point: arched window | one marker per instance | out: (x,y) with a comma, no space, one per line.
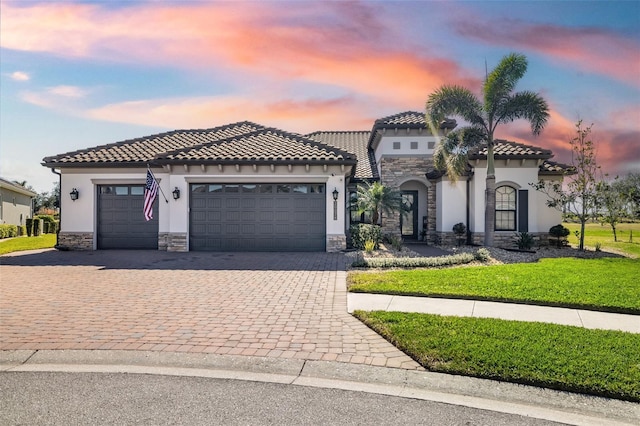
(505,208)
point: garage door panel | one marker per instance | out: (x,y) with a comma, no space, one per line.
(258,217)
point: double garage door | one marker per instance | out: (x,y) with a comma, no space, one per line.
(257,217)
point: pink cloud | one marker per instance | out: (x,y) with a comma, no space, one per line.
(618,149)
(244,40)
(301,116)
(592,49)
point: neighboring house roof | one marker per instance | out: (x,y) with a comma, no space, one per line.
(237,142)
(264,145)
(355,142)
(12,186)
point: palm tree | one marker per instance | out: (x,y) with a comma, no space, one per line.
(375,198)
(500,106)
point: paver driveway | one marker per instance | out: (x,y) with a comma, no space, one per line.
(290,305)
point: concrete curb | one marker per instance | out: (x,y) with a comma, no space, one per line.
(564,407)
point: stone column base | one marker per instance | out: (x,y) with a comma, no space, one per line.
(75,240)
(176,241)
(336,243)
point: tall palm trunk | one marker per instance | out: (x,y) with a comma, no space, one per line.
(490,197)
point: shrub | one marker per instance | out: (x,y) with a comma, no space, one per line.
(459,229)
(49,223)
(369,246)
(29,226)
(37,227)
(598,246)
(8,231)
(482,254)
(394,240)
(560,233)
(524,240)
(22,230)
(364,232)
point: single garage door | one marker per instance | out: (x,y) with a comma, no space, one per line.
(257,217)
(121,223)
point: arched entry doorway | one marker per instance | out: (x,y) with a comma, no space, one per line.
(413,217)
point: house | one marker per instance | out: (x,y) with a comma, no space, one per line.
(246,187)
(16,203)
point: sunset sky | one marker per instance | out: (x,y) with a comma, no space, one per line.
(75,74)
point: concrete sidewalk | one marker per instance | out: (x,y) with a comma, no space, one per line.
(484,309)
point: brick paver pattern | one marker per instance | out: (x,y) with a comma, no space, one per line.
(288,305)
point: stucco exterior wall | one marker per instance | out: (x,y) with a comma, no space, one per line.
(519,176)
(451,204)
(15,207)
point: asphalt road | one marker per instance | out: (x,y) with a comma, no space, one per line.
(45,398)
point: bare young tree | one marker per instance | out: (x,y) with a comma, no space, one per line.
(579,194)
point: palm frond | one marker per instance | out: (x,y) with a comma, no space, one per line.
(451,101)
(502,80)
(528,105)
(451,155)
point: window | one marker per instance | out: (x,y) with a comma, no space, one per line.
(414,145)
(505,208)
(137,190)
(300,189)
(431,145)
(396,145)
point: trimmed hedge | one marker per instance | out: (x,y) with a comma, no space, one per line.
(364,232)
(416,262)
(8,231)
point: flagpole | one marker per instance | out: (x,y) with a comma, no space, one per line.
(159,187)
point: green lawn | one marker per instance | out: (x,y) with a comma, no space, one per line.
(27,243)
(603,234)
(600,284)
(597,362)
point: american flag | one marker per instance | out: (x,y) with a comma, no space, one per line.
(150,194)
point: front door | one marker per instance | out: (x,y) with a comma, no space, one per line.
(409,215)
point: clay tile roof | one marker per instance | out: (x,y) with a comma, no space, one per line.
(507,149)
(407,119)
(263,145)
(553,168)
(410,120)
(356,143)
(142,150)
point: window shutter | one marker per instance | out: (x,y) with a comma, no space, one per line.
(523,210)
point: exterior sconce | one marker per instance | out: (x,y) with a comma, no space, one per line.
(335,194)
(335,203)
(176,193)
(74,194)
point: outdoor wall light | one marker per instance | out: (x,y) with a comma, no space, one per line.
(335,194)
(74,194)
(176,193)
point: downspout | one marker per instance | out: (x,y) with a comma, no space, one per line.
(57,246)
